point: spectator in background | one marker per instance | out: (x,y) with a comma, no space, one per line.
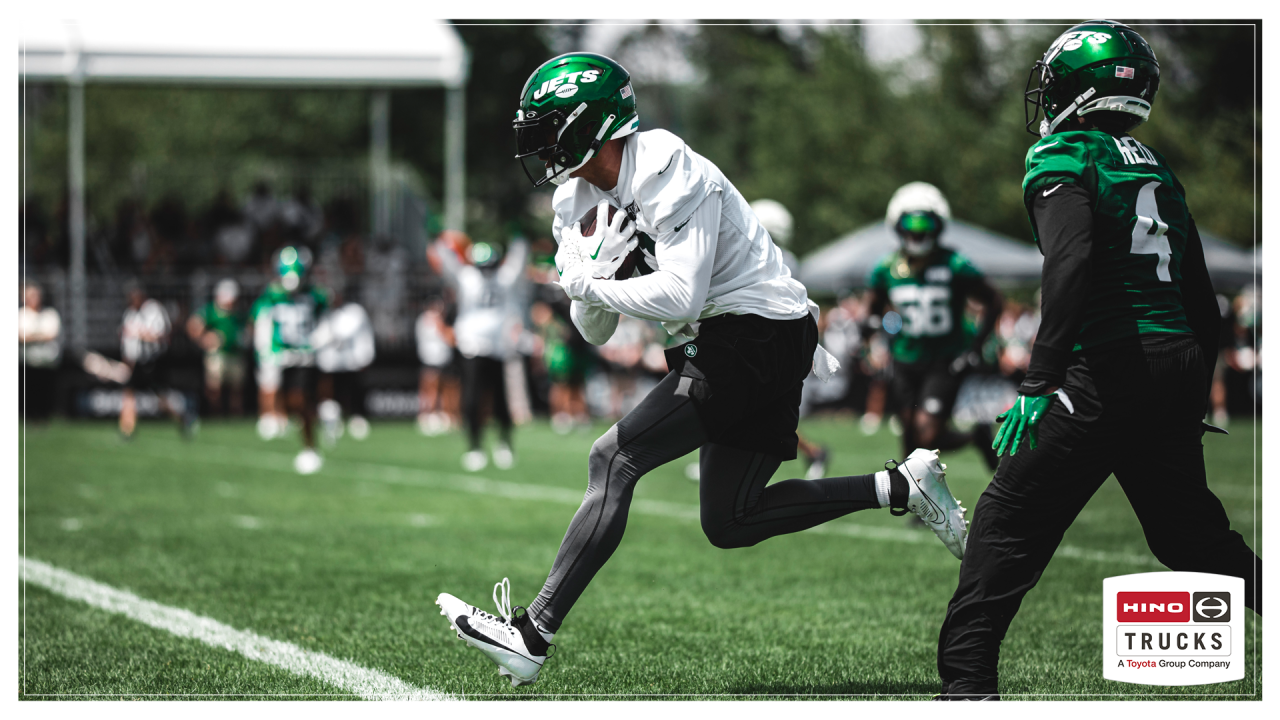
(261,210)
(435,350)
(386,267)
(144,345)
(302,215)
(169,227)
(40,349)
(232,234)
(219,330)
(483,289)
(344,345)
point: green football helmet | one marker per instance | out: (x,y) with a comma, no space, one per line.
(569,107)
(292,265)
(1096,66)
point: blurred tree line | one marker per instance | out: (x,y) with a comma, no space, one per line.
(811,122)
(799,114)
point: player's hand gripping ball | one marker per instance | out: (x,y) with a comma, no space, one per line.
(573,276)
(1023,418)
(607,246)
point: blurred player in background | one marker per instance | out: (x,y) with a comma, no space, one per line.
(565,360)
(1123,361)
(777,220)
(40,352)
(218,328)
(928,286)
(484,290)
(284,317)
(344,344)
(733,391)
(144,346)
(435,351)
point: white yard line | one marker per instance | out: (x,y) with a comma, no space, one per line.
(368,684)
(475,484)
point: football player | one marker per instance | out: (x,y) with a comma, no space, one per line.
(284,317)
(1121,368)
(928,285)
(713,278)
(487,302)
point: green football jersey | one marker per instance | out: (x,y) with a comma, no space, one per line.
(227,323)
(292,317)
(931,303)
(1140,225)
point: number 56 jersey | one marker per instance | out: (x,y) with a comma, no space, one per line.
(931,303)
(1140,227)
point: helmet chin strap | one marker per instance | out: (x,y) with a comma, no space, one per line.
(1047,128)
(559,176)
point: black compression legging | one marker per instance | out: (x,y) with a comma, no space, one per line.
(737,509)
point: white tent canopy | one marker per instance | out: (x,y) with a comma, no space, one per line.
(845,262)
(312,48)
(381,45)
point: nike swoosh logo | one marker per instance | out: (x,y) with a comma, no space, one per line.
(1045,147)
(673,157)
(1050,190)
(680,227)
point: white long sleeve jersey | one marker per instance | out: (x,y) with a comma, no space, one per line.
(713,255)
(489,303)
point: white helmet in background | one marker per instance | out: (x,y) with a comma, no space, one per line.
(918,213)
(775,218)
(226,291)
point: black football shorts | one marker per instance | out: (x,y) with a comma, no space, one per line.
(744,374)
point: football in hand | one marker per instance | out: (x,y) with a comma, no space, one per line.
(588,224)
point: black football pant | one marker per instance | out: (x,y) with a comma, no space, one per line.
(481,374)
(737,510)
(1138,412)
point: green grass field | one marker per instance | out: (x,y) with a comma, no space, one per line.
(348,562)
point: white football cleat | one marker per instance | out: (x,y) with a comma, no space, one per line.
(474,460)
(308,462)
(503,458)
(504,639)
(932,501)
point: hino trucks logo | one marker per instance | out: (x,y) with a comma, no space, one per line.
(1212,607)
(1172,628)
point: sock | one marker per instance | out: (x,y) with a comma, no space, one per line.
(882,488)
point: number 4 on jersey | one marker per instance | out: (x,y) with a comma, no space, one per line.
(1149,230)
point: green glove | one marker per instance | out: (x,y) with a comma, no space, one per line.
(1022,418)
